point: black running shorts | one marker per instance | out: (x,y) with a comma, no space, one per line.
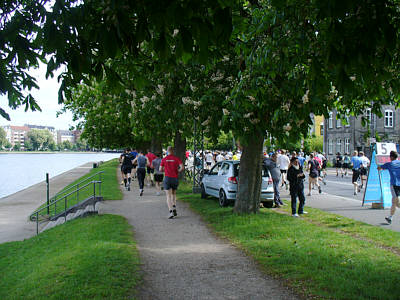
(356,175)
(158,177)
(126,169)
(170,183)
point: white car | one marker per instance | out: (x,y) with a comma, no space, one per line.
(222,181)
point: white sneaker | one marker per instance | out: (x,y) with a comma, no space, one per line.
(295,215)
(171,215)
(304,213)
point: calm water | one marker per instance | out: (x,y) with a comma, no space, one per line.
(19,171)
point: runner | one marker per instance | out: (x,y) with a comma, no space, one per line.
(339,164)
(172,166)
(219,157)
(142,162)
(356,162)
(134,153)
(283,162)
(209,160)
(126,168)
(364,168)
(313,175)
(346,163)
(150,179)
(394,170)
(158,175)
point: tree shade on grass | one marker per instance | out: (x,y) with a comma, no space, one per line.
(88,258)
(321,255)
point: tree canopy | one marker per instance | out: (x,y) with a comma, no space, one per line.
(135,70)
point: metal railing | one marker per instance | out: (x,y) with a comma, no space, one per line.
(61,202)
(76,187)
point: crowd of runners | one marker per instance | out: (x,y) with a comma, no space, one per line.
(287,169)
(162,170)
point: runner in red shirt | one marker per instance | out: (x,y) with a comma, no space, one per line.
(150,171)
(172,166)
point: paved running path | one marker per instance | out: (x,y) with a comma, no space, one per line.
(16,208)
(182,259)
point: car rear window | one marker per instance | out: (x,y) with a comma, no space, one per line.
(236,168)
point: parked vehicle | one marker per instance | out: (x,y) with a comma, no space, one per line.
(222,182)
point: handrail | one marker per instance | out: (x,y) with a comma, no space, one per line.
(75,185)
(65,200)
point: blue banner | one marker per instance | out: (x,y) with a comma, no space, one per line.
(378,185)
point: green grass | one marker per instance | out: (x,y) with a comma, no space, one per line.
(319,255)
(109,188)
(86,258)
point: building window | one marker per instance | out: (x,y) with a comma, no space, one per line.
(347,145)
(338,123)
(339,145)
(321,127)
(388,118)
(330,120)
(347,116)
(330,147)
(368,115)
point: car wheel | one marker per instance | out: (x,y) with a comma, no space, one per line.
(222,198)
(203,192)
(268,204)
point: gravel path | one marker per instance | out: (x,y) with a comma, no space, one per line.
(182,259)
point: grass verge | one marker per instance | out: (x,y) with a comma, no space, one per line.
(320,255)
(109,188)
(86,258)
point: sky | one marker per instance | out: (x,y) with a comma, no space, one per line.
(47,98)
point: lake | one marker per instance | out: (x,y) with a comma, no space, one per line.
(21,170)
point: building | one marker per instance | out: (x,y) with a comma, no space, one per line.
(16,134)
(65,135)
(345,138)
(317,127)
(51,129)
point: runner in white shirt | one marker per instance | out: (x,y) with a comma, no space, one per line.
(209,160)
(220,157)
(364,168)
(283,162)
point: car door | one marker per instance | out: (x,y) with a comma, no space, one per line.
(211,181)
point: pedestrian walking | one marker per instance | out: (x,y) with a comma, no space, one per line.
(356,165)
(296,177)
(394,170)
(270,164)
(158,175)
(142,162)
(172,166)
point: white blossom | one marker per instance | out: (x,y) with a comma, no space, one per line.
(225,111)
(193,88)
(206,122)
(160,89)
(305,97)
(248,115)
(352,78)
(175,33)
(287,127)
(186,100)
(254,121)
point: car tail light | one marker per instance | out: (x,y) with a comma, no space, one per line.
(232,180)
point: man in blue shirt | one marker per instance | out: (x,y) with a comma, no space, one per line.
(394,170)
(356,162)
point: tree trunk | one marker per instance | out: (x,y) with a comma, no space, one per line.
(249,186)
(156,145)
(180,150)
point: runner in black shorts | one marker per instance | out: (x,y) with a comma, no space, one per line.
(126,169)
